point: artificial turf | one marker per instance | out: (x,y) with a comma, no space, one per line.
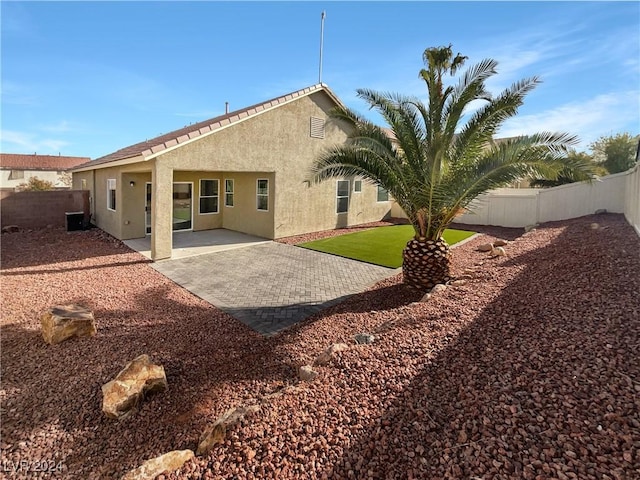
(380,246)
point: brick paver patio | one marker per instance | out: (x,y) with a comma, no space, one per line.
(271,286)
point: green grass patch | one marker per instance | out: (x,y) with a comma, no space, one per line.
(380,246)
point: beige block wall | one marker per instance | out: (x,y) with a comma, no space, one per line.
(77,184)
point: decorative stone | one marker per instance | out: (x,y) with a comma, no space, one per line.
(325,357)
(425,298)
(500,243)
(438,288)
(485,247)
(459,283)
(139,378)
(595,226)
(600,211)
(216,432)
(365,338)
(498,252)
(66,321)
(166,463)
(10,229)
(307,373)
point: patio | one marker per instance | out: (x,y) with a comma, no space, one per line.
(190,244)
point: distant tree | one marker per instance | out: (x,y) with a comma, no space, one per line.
(35,184)
(566,175)
(616,153)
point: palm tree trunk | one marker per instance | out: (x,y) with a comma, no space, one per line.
(425,264)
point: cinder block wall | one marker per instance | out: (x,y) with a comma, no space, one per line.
(39,209)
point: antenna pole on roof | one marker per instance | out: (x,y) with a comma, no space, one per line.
(321,44)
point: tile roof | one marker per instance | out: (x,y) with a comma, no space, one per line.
(17,161)
(171,139)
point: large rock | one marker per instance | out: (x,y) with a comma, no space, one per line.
(163,464)
(307,373)
(139,378)
(66,321)
(485,247)
(498,252)
(216,432)
(366,338)
(325,357)
(500,243)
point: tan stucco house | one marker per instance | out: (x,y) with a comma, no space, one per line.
(17,168)
(243,171)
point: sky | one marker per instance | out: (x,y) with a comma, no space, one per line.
(89,78)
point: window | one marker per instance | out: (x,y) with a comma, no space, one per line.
(357,186)
(208,196)
(16,175)
(262,194)
(383,195)
(317,127)
(111,194)
(228,193)
(342,194)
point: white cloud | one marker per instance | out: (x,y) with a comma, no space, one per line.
(602,115)
(26,142)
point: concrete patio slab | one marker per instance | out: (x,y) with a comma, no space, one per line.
(271,286)
(189,244)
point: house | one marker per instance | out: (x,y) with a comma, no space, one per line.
(17,168)
(245,171)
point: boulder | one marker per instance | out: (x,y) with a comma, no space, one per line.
(325,357)
(498,252)
(500,243)
(307,373)
(215,433)
(601,211)
(10,229)
(438,288)
(139,378)
(595,226)
(425,298)
(366,338)
(459,283)
(485,247)
(163,464)
(66,321)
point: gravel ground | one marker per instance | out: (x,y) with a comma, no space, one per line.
(531,370)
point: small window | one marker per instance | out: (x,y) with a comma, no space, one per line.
(208,196)
(383,195)
(16,175)
(262,194)
(111,194)
(228,193)
(357,186)
(317,127)
(342,194)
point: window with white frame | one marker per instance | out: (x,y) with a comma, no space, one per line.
(228,192)
(111,194)
(208,196)
(383,195)
(262,194)
(357,186)
(342,196)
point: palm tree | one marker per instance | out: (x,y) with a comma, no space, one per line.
(431,162)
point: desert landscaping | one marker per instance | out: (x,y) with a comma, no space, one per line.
(528,369)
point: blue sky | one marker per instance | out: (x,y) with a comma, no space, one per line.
(89,78)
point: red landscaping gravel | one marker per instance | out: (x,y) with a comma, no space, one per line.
(530,370)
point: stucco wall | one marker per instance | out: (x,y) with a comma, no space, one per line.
(59,180)
(108,220)
(279,141)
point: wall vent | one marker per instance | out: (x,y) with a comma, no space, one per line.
(317,127)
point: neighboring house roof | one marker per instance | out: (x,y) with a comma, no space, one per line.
(151,148)
(17,161)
